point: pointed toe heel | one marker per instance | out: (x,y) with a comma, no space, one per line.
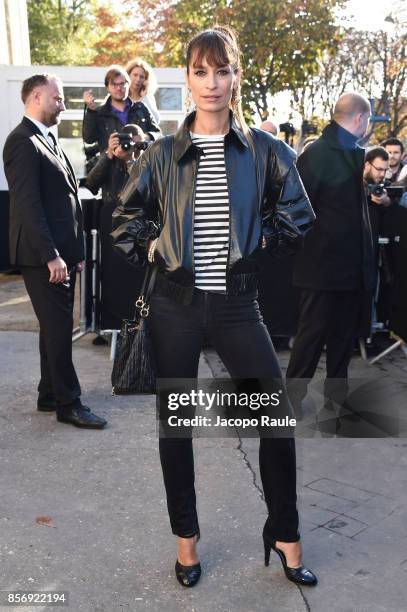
(187,575)
(299,575)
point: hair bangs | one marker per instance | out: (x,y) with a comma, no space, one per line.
(212,47)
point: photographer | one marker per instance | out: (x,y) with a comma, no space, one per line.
(374,173)
(382,209)
(118,110)
(119,280)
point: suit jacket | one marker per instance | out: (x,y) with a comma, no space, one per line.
(45,211)
(337,254)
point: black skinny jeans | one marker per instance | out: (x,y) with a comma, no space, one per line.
(237,331)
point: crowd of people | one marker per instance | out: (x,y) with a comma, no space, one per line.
(201,206)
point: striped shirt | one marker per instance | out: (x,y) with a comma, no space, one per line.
(211,219)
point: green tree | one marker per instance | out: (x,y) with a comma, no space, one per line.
(86,32)
(59,31)
(281,40)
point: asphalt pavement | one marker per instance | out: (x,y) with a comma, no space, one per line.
(84,512)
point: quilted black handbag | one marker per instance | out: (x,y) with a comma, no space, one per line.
(133,367)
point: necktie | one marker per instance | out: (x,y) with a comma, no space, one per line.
(53,143)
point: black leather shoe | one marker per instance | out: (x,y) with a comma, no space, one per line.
(81,417)
(187,575)
(299,575)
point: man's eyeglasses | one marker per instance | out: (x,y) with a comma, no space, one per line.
(120,85)
(378,169)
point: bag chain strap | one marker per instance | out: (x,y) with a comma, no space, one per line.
(143,307)
(148,284)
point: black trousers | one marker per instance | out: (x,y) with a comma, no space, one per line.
(53,306)
(238,333)
(330,318)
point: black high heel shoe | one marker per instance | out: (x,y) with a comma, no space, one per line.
(188,575)
(299,575)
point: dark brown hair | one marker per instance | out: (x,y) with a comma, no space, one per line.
(37,80)
(375,152)
(115,71)
(395,142)
(219,47)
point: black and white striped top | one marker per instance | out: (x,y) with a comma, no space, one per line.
(211,220)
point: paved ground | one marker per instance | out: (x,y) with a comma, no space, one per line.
(106,538)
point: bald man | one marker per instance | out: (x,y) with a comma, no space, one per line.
(269,126)
(335,269)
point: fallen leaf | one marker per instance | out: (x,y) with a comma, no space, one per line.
(45,520)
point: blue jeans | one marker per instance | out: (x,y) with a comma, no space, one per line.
(236,329)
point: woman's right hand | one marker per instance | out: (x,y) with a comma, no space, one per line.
(112,145)
(89,99)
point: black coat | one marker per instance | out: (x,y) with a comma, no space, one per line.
(110,175)
(100,123)
(45,212)
(337,254)
(120,281)
(158,201)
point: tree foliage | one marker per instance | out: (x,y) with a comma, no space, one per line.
(373,63)
(58,30)
(83,32)
(117,39)
(281,40)
(288,45)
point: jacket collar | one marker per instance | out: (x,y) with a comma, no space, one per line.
(353,157)
(338,137)
(182,138)
(31,125)
(107,109)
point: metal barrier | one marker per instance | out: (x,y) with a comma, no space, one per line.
(89,294)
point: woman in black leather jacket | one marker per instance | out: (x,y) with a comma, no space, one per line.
(200,204)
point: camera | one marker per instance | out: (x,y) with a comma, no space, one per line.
(287,128)
(375,189)
(126,142)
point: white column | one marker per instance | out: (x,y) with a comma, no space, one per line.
(14,37)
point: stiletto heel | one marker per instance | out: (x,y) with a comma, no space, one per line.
(267,549)
(299,575)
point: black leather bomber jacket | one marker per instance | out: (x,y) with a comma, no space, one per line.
(269,207)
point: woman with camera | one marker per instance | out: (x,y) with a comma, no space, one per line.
(199,205)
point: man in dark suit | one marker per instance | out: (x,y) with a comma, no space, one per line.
(46,242)
(335,267)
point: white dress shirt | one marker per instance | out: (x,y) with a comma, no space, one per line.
(44,130)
